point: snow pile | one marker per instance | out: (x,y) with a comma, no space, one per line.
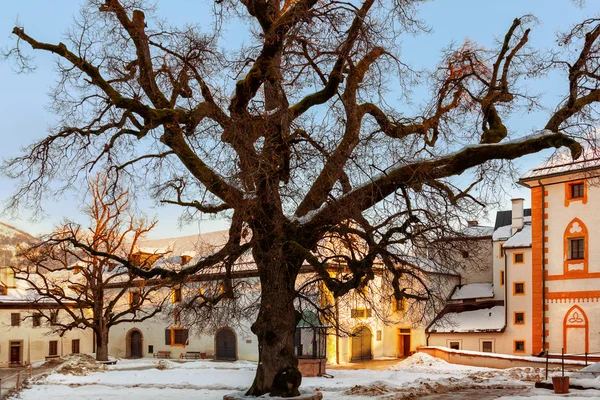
(473,291)
(421,360)
(79,365)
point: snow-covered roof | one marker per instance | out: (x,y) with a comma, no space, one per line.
(562,163)
(481,319)
(473,291)
(204,244)
(520,239)
(502,233)
(478,231)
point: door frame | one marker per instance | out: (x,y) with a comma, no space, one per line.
(235,343)
(15,343)
(356,330)
(401,341)
(128,342)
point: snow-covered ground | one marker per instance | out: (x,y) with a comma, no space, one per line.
(419,376)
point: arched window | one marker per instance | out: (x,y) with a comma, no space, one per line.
(576,248)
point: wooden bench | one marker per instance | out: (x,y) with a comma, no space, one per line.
(162,354)
(194,354)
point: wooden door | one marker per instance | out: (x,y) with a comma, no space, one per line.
(136,345)
(15,353)
(406,345)
(226,345)
(361,344)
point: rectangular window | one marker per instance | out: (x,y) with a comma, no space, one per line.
(15,319)
(519,346)
(176,297)
(519,318)
(53,317)
(576,249)
(455,345)
(519,288)
(180,336)
(518,258)
(577,190)
(36,320)
(400,305)
(487,346)
(75,346)
(500,252)
(150,349)
(135,298)
(501,278)
(53,348)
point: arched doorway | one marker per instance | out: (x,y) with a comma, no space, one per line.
(134,341)
(576,331)
(226,347)
(361,344)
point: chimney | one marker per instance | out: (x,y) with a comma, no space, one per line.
(517,215)
(472,223)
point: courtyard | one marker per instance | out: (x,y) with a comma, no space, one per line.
(419,376)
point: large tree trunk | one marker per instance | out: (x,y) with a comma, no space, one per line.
(275,326)
(102,345)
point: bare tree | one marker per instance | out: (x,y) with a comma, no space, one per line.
(306,144)
(91,291)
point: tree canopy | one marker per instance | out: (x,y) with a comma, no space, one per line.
(291,135)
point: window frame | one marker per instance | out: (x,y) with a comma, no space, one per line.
(515,318)
(580,249)
(515,293)
(176,295)
(502,277)
(15,319)
(75,343)
(483,343)
(135,298)
(36,320)
(520,253)
(515,346)
(52,343)
(569,191)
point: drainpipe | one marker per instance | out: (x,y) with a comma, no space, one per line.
(543,265)
(505,287)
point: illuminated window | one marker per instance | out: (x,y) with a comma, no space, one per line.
(176,295)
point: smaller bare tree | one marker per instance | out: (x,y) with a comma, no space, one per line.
(92,292)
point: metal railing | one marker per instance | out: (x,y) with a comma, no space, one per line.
(14,383)
(585,357)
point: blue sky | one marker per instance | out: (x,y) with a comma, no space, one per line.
(23,98)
